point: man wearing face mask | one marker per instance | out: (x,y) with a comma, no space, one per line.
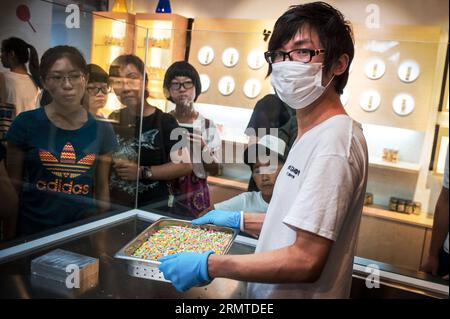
(308,235)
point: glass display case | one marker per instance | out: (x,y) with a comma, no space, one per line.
(112,35)
(165,43)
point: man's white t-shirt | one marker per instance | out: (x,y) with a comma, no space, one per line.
(21,91)
(320,189)
(247,202)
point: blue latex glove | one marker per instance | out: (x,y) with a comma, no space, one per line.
(220,218)
(185,270)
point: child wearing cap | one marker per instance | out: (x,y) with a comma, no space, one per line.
(265,158)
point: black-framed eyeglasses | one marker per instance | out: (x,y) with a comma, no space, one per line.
(93,90)
(300,55)
(177,85)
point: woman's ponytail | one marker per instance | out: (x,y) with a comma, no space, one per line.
(33,66)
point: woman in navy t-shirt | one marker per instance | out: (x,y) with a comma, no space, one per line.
(59,156)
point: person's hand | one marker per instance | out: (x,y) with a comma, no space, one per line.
(431,265)
(126,170)
(220,218)
(185,270)
(445,277)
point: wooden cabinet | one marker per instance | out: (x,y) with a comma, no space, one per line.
(164,36)
(221,189)
(112,35)
(391,242)
(426,245)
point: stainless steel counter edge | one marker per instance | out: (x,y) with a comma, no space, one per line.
(403,280)
(21,249)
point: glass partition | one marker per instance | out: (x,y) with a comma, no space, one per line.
(62,147)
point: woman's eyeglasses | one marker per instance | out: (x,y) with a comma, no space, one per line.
(177,85)
(60,79)
(94,90)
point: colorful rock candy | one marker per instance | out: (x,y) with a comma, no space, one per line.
(174,239)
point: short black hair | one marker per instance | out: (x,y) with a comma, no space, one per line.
(335,34)
(182,68)
(97,74)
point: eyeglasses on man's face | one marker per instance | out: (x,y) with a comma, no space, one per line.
(177,85)
(94,90)
(119,83)
(59,79)
(300,55)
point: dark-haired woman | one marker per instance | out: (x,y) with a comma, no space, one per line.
(97,90)
(17,86)
(182,86)
(59,156)
(161,160)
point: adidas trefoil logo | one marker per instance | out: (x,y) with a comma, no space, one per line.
(66,166)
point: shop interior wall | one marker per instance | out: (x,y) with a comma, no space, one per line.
(392,12)
(41,17)
(401,12)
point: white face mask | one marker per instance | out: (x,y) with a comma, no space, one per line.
(298,84)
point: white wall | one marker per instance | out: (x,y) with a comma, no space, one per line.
(402,12)
(41,17)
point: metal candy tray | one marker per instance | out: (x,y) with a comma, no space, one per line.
(147,268)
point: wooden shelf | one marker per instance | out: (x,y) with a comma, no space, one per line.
(399,166)
(422,220)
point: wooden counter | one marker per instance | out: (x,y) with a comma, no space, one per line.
(422,220)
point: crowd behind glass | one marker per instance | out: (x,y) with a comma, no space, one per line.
(63,159)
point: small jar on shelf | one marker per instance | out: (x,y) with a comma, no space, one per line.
(417,208)
(409,207)
(401,206)
(393,202)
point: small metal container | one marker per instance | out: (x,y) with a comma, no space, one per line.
(148,269)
